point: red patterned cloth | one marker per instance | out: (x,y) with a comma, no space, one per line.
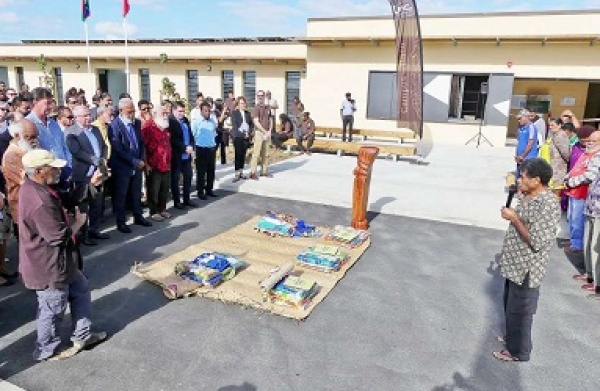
(158,146)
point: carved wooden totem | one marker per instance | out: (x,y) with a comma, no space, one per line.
(362,183)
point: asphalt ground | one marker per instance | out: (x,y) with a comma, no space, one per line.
(419,311)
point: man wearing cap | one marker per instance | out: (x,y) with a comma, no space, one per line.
(347,113)
(49,259)
(527,140)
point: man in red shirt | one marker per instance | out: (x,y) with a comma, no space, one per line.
(158,153)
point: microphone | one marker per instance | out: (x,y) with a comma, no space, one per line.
(511,182)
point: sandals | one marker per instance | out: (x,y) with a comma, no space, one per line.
(504,355)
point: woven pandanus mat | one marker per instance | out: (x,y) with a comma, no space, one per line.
(263,253)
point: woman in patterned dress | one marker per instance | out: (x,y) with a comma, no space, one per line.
(560,152)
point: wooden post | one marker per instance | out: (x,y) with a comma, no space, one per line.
(362,183)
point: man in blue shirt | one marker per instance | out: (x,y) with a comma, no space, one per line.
(204,130)
(527,140)
(51,137)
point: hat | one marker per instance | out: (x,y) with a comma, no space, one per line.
(523,113)
(348,94)
(40,157)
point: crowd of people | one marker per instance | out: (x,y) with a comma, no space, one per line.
(62,163)
(558,167)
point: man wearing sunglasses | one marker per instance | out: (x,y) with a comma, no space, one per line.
(64,118)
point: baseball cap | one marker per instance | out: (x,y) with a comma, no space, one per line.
(40,157)
(523,113)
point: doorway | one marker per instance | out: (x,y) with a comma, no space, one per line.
(113,81)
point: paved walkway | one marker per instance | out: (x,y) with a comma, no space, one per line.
(458,184)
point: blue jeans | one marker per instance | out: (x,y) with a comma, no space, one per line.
(576,222)
(52,304)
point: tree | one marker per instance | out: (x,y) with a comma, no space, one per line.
(47,78)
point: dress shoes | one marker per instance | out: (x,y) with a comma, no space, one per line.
(98,236)
(88,242)
(124,228)
(179,206)
(7,282)
(211,194)
(143,222)
(191,203)
(201,196)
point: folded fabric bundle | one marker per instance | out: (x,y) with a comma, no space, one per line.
(323,257)
(293,291)
(281,224)
(195,272)
(210,269)
(347,236)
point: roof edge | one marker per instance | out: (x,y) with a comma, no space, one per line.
(464,15)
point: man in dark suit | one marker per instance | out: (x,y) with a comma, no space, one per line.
(127,164)
(89,152)
(182,142)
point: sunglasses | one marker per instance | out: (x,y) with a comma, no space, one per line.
(146,109)
(70,117)
(72,102)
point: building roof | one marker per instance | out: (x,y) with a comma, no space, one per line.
(161,40)
(466,15)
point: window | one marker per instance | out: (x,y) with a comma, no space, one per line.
(382,100)
(466,99)
(227,83)
(20,76)
(192,85)
(250,87)
(58,83)
(292,88)
(145,91)
(4,75)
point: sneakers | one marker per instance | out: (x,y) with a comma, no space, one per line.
(78,346)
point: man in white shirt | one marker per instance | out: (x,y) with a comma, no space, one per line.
(540,126)
(196,113)
(347,110)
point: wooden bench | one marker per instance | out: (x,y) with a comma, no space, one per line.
(400,135)
(338,146)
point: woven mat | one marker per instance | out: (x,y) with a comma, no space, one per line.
(262,252)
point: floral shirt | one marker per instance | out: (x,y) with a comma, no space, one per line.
(518,258)
(158,146)
(560,152)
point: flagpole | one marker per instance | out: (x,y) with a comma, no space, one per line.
(89,62)
(126,52)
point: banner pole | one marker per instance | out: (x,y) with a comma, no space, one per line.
(126,54)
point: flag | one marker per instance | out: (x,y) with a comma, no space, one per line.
(85,10)
(126,7)
(409,64)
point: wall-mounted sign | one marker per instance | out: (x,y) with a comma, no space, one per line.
(518,102)
(568,101)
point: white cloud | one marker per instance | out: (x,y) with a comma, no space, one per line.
(4,3)
(9,18)
(266,17)
(114,30)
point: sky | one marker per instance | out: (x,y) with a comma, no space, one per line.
(61,19)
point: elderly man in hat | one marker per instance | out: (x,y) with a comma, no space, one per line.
(527,140)
(49,259)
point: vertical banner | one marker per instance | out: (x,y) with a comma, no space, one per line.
(409,64)
(85,14)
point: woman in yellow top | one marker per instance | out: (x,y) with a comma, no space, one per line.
(556,151)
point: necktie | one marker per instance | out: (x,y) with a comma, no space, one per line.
(132,139)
